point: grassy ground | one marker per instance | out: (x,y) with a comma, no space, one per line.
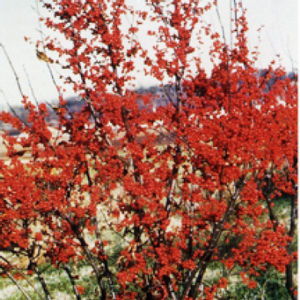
(57,281)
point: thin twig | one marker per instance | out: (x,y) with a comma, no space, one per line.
(13,69)
(221,24)
(11,277)
(26,279)
(235,16)
(44,47)
(13,111)
(30,86)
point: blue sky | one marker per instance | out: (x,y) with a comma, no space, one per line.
(18,19)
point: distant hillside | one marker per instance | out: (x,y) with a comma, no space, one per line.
(75,104)
(162,96)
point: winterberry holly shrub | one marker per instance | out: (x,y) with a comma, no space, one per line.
(153,200)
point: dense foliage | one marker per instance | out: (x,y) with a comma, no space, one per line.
(153,200)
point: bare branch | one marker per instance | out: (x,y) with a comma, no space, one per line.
(30,86)
(44,47)
(14,70)
(24,276)
(13,111)
(68,271)
(11,277)
(221,24)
